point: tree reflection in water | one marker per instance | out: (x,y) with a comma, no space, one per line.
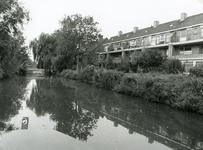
(174,128)
(50,97)
(11,92)
(76,107)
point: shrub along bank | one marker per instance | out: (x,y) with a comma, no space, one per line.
(179,91)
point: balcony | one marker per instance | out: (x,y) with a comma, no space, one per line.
(189,57)
(189,38)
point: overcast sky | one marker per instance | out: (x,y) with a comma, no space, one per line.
(112,15)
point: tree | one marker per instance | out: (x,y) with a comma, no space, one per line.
(12,18)
(43,49)
(82,31)
(150,59)
(62,49)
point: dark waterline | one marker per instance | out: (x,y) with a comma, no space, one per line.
(102,119)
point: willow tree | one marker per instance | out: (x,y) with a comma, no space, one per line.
(43,50)
(82,32)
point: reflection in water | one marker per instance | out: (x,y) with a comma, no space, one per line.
(47,97)
(173,128)
(10,92)
(95,115)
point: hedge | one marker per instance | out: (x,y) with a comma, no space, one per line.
(176,90)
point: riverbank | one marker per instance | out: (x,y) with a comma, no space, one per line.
(179,91)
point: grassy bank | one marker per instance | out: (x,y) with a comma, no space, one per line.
(178,91)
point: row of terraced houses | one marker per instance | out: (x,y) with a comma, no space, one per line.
(181,39)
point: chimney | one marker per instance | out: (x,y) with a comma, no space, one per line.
(183,16)
(156,23)
(119,33)
(135,29)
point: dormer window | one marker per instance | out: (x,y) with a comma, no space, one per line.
(171,25)
(127,35)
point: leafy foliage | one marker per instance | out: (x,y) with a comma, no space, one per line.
(175,89)
(70,117)
(87,74)
(12,91)
(147,60)
(124,65)
(197,71)
(12,55)
(173,66)
(61,49)
(109,63)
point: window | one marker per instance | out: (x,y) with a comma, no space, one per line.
(162,37)
(138,42)
(116,55)
(167,37)
(106,48)
(181,51)
(143,41)
(185,50)
(195,30)
(182,35)
(189,32)
(202,32)
(201,50)
(188,50)
(153,40)
(135,43)
(158,39)
(131,43)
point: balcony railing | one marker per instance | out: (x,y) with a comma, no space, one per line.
(139,43)
(189,37)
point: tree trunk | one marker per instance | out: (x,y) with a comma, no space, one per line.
(78,69)
(1,73)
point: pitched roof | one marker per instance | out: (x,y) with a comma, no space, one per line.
(98,47)
(172,25)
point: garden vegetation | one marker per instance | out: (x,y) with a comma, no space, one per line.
(160,81)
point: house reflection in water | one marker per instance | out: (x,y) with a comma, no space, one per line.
(159,123)
(154,132)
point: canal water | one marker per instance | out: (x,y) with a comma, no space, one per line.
(102,119)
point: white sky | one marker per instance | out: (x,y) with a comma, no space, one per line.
(112,15)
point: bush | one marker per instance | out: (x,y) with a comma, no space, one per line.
(71,74)
(173,66)
(107,79)
(197,71)
(109,63)
(189,94)
(128,82)
(175,90)
(124,65)
(148,60)
(179,91)
(87,74)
